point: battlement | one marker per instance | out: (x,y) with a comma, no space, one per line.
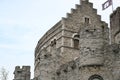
(79,7)
(22,73)
(26,68)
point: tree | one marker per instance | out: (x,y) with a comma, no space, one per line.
(3,74)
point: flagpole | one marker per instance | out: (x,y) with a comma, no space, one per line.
(112,6)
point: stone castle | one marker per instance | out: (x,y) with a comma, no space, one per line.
(78,47)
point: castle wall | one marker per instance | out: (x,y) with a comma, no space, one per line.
(73,71)
(45,47)
(77,48)
(54,32)
(116,61)
(76,18)
(74,22)
(117,38)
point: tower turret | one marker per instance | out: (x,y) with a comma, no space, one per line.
(115,40)
(92,41)
(22,73)
(115,26)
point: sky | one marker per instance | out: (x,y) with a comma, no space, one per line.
(24,22)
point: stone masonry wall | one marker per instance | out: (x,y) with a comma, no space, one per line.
(115,24)
(51,40)
(74,22)
(73,71)
(22,73)
(57,57)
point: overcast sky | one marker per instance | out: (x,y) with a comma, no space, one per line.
(23,22)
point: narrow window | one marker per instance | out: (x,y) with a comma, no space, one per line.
(19,72)
(86,20)
(39,59)
(53,42)
(76,41)
(103,27)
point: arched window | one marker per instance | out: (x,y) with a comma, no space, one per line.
(53,45)
(76,41)
(95,77)
(86,20)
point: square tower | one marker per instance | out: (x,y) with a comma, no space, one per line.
(115,26)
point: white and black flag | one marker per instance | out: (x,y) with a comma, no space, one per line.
(106,4)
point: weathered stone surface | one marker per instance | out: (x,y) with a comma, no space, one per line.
(115,26)
(22,73)
(93,57)
(78,47)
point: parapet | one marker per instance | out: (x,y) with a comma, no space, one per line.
(22,73)
(26,68)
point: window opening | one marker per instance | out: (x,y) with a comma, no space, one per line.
(95,77)
(53,42)
(76,41)
(86,20)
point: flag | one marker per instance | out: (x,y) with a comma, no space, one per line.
(106,4)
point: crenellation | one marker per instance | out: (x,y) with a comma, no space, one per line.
(91,5)
(77,6)
(64,19)
(22,73)
(99,17)
(73,10)
(95,11)
(69,15)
